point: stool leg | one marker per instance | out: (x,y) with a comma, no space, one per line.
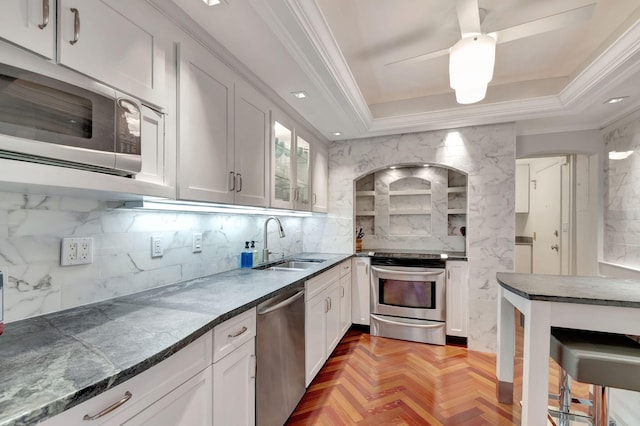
(564,398)
(600,406)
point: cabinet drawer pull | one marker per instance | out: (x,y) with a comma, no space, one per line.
(315,199)
(237,333)
(76,26)
(127,396)
(45,14)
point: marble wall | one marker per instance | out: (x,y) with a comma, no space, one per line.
(486,154)
(31,227)
(621,242)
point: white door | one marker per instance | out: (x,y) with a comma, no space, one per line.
(251,147)
(187,405)
(30,24)
(112,46)
(547,228)
(333,293)
(234,387)
(205,147)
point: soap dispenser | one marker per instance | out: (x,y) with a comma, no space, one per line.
(255,253)
(246,258)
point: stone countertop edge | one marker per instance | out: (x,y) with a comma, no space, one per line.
(190,308)
(586,290)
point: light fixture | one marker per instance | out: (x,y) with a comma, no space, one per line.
(336,133)
(211,2)
(301,94)
(162,204)
(615,100)
(471,67)
(426,165)
(619,155)
(393,167)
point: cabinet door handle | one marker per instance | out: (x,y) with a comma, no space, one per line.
(232,181)
(45,14)
(76,26)
(127,396)
(366,270)
(449,274)
(315,199)
(237,333)
(329,303)
(326,305)
(341,291)
(253,367)
(239,176)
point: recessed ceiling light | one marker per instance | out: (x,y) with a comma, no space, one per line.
(211,2)
(426,165)
(336,133)
(615,100)
(300,94)
(393,167)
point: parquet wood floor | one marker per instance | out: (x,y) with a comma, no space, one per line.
(378,381)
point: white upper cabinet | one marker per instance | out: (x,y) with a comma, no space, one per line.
(301,195)
(153,154)
(294,157)
(206,128)
(282,165)
(320,167)
(223,133)
(30,24)
(251,162)
(112,46)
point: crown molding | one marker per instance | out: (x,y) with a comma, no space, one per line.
(604,71)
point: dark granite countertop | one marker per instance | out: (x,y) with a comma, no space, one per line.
(53,362)
(573,289)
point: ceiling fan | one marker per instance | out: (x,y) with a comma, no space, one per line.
(472,58)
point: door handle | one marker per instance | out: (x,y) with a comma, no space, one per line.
(555,247)
(232,181)
(127,396)
(341,291)
(239,176)
(76,26)
(45,14)
(315,199)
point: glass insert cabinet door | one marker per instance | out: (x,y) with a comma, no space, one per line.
(283,141)
(303,169)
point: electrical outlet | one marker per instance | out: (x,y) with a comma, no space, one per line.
(76,251)
(156,247)
(197,242)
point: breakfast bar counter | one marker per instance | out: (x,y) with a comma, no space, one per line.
(588,303)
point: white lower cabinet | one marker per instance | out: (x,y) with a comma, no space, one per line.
(234,388)
(188,404)
(167,390)
(345,297)
(457,294)
(325,296)
(209,382)
(360,293)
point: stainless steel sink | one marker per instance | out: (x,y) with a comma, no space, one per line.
(292,265)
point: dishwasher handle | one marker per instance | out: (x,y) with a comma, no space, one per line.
(282,304)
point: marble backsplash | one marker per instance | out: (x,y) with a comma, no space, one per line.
(32,226)
(621,242)
(486,154)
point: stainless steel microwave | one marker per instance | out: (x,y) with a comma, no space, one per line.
(53,122)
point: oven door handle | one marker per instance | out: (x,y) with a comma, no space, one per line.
(414,273)
(388,321)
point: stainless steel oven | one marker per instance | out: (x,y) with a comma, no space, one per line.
(408,302)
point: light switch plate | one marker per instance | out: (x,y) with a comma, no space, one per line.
(197,242)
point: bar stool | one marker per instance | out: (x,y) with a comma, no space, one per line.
(601,359)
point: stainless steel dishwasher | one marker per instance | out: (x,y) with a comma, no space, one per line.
(280,357)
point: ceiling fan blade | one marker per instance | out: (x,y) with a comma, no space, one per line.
(543,25)
(468,17)
(419,58)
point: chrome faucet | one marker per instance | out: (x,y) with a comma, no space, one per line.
(266,252)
